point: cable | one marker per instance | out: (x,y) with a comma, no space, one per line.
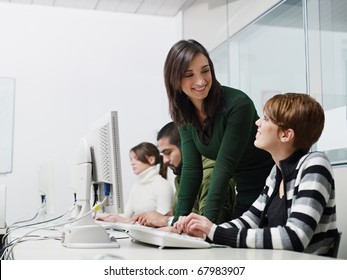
(37,238)
(10,229)
(95,189)
(43,204)
(10,249)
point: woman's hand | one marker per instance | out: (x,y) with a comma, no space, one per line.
(112,218)
(194,225)
(107,218)
(151,219)
(169,229)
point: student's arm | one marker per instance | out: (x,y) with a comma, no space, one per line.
(165,196)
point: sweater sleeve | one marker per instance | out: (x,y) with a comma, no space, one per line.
(129,209)
(238,136)
(164,197)
(191,176)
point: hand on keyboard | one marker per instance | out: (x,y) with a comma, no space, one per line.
(164,237)
(111,218)
(169,229)
(151,219)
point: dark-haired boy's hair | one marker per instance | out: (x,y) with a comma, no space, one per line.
(170,131)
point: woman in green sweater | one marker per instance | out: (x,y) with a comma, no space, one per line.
(216,122)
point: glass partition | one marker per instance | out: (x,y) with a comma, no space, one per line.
(333,46)
(268,56)
(279,52)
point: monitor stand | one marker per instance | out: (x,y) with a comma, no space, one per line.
(86,233)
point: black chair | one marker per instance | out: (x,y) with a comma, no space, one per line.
(335,249)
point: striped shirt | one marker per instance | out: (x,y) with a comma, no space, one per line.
(311,210)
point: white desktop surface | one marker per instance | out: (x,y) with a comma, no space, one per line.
(130,250)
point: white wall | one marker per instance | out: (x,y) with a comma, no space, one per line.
(206,22)
(72,66)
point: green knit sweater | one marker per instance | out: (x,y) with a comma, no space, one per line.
(232,147)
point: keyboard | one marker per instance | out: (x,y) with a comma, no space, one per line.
(154,236)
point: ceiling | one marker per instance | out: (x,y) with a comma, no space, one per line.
(167,8)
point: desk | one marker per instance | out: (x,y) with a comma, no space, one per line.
(131,250)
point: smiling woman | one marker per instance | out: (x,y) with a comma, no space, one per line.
(216,122)
(7,88)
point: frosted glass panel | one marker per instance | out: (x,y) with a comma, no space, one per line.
(268,56)
(7,88)
(279,52)
(333,34)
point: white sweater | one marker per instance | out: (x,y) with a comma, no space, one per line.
(150,193)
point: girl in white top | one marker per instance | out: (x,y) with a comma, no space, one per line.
(152,192)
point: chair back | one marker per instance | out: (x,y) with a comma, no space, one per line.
(335,249)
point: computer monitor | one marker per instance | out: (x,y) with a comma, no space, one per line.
(96,162)
(103,139)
